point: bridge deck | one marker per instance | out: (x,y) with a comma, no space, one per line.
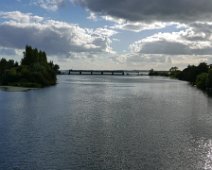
(107,72)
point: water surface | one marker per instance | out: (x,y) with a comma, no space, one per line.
(106,122)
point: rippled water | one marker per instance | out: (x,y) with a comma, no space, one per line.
(95,123)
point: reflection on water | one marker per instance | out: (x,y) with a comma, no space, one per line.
(106,122)
(207,149)
(15,89)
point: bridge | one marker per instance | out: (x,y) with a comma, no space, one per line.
(106,72)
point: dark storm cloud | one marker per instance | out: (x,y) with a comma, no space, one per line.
(152,10)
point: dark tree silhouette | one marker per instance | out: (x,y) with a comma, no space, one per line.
(200,75)
(34,70)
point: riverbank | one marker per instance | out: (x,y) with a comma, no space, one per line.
(199,76)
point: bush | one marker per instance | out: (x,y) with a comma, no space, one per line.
(201,80)
(209,80)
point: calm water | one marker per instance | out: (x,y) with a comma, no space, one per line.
(111,123)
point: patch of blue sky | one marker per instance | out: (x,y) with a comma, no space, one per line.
(14,5)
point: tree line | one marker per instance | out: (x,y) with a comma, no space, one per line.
(200,76)
(33,71)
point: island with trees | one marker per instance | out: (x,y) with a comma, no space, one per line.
(200,76)
(33,71)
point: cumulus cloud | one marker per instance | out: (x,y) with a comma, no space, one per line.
(191,45)
(152,10)
(52,5)
(139,26)
(55,37)
(21,17)
(191,41)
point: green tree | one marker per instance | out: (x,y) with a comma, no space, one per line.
(201,81)
(174,72)
(202,68)
(34,71)
(209,79)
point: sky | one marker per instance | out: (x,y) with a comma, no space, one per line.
(109,34)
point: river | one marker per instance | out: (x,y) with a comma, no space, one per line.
(106,123)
